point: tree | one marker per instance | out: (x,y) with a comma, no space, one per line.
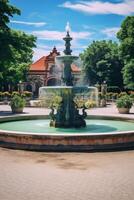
(6,37)
(128,74)
(15,49)
(15,69)
(101,62)
(6,11)
(126,38)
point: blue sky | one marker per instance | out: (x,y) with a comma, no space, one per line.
(89,20)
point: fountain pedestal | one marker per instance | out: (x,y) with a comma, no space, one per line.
(67,114)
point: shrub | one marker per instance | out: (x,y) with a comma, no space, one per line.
(27,94)
(124,102)
(1,96)
(122,94)
(15,93)
(90,104)
(56,101)
(17,102)
(79,102)
(6,94)
(132,97)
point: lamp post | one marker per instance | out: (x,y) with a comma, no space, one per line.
(20,82)
(103,93)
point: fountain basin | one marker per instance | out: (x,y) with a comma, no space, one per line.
(68,140)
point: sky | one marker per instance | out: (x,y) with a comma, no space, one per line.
(89,20)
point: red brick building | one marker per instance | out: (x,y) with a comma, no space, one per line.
(44,72)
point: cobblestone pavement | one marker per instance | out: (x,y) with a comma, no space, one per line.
(66,176)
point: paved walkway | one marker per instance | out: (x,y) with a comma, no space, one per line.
(110,110)
(66,176)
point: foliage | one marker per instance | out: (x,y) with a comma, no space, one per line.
(15,69)
(126,38)
(122,94)
(87,103)
(1,96)
(124,102)
(15,49)
(131,93)
(101,62)
(6,11)
(17,102)
(80,102)
(112,95)
(132,97)
(55,101)
(90,104)
(7,94)
(15,93)
(128,74)
(114,89)
(27,94)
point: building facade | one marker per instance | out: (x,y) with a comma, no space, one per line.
(45,72)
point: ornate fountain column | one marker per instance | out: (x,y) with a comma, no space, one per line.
(67,74)
(67,114)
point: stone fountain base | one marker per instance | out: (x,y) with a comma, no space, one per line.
(65,142)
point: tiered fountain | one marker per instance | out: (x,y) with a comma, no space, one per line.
(67,115)
(67,130)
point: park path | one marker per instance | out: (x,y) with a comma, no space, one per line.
(110,110)
(66,176)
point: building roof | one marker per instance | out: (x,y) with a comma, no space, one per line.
(39,65)
(42,63)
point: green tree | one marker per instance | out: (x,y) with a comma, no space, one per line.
(6,11)
(15,69)
(128,74)
(6,37)
(126,38)
(15,49)
(101,62)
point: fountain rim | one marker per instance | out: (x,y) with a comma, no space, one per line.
(68,87)
(46,117)
(65,142)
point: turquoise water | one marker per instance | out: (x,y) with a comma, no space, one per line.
(42,126)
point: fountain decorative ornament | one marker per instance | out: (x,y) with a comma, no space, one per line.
(67,114)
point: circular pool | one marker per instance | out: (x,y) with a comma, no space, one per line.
(40,126)
(34,133)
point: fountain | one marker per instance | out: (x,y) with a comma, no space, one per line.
(67,129)
(67,114)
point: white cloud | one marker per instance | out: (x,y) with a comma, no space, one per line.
(57,35)
(126,7)
(38,53)
(36,24)
(86,26)
(43,50)
(110,32)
